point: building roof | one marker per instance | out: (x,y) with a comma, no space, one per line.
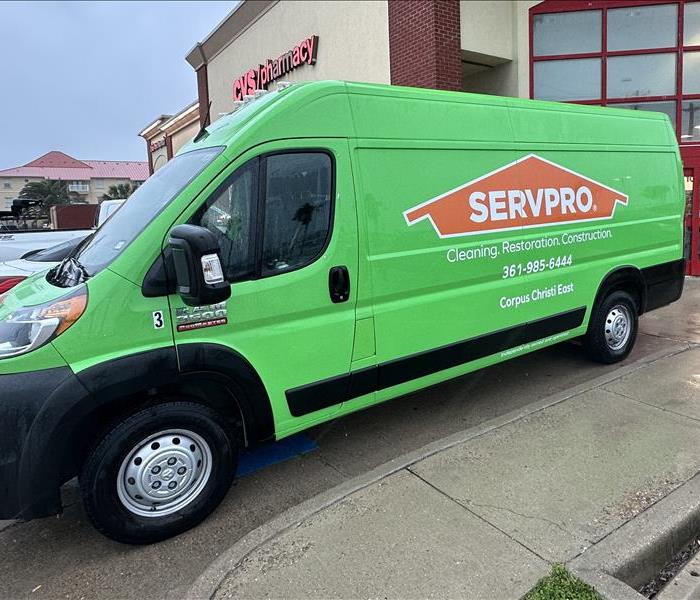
(182,118)
(171,123)
(148,130)
(243,15)
(57,165)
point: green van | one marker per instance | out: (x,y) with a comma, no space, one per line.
(321,249)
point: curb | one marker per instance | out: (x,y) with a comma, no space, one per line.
(606,585)
(636,551)
(208,582)
(685,585)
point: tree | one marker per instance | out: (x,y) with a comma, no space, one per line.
(49,192)
(119,191)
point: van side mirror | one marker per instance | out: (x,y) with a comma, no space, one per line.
(199,276)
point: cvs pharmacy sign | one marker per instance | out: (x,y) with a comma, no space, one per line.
(530,192)
(304,53)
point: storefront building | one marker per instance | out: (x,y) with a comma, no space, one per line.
(168,133)
(642,55)
(442,44)
(639,54)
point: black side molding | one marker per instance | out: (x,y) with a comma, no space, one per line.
(335,390)
(664,283)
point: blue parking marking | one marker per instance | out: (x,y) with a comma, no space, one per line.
(271,453)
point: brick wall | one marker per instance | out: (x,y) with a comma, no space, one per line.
(424,43)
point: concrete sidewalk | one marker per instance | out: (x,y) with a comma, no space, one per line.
(483,513)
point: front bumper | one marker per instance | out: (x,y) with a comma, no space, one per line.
(30,408)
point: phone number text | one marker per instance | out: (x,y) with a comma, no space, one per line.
(536,266)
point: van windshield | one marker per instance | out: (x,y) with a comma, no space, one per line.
(144,205)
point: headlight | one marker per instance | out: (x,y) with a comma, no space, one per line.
(26,329)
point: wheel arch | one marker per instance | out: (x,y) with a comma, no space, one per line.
(74,417)
(626,278)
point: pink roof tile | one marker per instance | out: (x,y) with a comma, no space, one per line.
(56,159)
(57,165)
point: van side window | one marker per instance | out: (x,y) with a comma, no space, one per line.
(228,215)
(272,215)
(297,210)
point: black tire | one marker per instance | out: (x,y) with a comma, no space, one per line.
(606,314)
(101,471)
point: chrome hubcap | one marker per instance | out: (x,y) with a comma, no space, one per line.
(618,326)
(164,473)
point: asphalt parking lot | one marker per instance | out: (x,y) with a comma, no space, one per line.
(63,557)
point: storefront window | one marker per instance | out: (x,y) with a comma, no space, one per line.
(637,60)
(567,33)
(665,107)
(690,121)
(691,24)
(638,27)
(641,75)
(577,79)
(691,73)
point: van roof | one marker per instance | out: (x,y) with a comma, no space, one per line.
(364,110)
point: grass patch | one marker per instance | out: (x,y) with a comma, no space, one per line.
(561,585)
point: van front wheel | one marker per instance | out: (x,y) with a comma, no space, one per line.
(612,330)
(158,473)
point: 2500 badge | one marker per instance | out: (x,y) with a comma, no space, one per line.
(199,317)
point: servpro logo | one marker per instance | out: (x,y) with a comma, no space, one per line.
(530,192)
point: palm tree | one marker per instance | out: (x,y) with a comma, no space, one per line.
(119,191)
(49,192)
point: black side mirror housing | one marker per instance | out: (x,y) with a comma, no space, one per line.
(198,273)
(160,278)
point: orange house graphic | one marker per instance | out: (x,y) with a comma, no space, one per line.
(530,192)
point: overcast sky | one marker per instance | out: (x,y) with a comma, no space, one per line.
(86,77)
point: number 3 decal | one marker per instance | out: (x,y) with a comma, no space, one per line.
(158,321)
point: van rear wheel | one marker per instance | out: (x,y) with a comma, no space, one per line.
(158,473)
(612,330)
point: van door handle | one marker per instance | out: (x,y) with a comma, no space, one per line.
(339,284)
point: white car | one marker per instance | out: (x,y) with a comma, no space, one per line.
(16,243)
(14,271)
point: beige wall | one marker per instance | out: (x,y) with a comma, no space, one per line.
(96,191)
(184,135)
(500,80)
(16,185)
(487,27)
(353,45)
(178,139)
(498,32)
(522,28)
(160,157)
